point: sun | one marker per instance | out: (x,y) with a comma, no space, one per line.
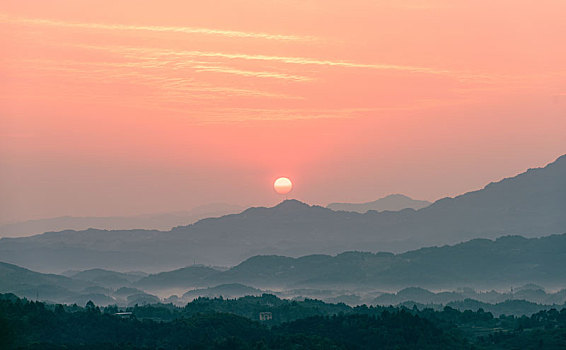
(282,185)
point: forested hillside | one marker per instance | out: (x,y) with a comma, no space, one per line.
(231,324)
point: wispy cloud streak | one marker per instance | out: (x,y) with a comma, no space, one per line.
(167,29)
(171,86)
(197,66)
(164,54)
(292,60)
(247,73)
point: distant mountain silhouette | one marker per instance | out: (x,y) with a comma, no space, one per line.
(531,204)
(161,221)
(393,202)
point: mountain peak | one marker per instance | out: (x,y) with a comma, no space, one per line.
(291,206)
(397,195)
(291,203)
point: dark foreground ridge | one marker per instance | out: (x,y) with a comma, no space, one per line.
(231,324)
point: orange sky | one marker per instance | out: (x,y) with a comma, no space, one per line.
(127,107)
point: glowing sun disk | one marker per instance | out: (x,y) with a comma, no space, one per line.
(283,185)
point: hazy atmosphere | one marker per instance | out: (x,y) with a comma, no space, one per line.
(278,175)
(123,108)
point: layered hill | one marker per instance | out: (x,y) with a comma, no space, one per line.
(481,263)
(35,285)
(13,278)
(393,202)
(531,204)
(84,286)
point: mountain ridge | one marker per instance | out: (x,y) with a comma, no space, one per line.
(531,204)
(502,262)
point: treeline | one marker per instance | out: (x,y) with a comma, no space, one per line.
(231,324)
(36,325)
